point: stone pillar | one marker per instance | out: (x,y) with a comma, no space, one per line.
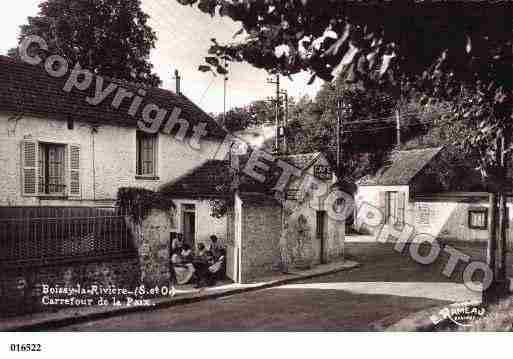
(152,242)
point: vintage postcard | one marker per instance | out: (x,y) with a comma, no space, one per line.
(255,165)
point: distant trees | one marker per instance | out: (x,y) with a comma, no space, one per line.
(457,51)
(108,37)
(240,118)
(454,52)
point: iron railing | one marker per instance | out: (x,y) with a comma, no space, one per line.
(48,235)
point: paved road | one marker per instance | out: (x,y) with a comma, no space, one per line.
(387,287)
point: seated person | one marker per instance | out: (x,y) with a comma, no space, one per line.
(218,269)
(215,247)
(209,269)
(201,250)
(183,271)
(177,244)
(176,259)
(204,276)
(186,253)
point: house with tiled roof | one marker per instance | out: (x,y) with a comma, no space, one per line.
(424,189)
(67,140)
(327,230)
(255,221)
(313,163)
(250,229)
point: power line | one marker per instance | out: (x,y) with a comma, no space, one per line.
(206,90)
(377,129)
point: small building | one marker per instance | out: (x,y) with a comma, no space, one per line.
(253,227)
(249,228)
(327,233)
(409,189)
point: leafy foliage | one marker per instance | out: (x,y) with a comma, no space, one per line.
(371,41)
(108,37)
(368,132)
(219,207)
(458,52)
(138,202)
(240,118)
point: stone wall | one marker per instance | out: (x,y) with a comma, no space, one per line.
(21,289)
(261,231)
(151,239)
(333,235)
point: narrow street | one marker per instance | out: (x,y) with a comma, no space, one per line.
(387,287)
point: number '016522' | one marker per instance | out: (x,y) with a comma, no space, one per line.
(25,347)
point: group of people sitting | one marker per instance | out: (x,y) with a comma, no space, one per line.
(203,267)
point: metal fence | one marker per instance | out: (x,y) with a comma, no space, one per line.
(47,235)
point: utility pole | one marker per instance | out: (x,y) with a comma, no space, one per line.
(398,127)
(490,294)
(492,225)
(285,121)
(339,125)
(497,233)
(277,112)
(225,80)
(503,214)
(344,109)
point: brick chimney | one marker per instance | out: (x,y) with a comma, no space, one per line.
(177,82)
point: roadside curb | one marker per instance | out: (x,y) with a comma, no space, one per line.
(167,303)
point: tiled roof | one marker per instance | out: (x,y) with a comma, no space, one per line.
(402,167)
(205,180)
(302,160)
(29,89)
(258,199)
(209,180)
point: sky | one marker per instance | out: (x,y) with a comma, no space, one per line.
(184,35)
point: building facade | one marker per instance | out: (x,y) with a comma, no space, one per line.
(407,191)
(58,150)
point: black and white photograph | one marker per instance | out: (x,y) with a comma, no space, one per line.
(220,167)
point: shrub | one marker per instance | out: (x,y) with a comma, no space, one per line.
(138,202)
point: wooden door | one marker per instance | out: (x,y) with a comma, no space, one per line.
(320,233)
(189,228)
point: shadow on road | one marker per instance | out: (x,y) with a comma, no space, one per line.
(277,309)
(387,287)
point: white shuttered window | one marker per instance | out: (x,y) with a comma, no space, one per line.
(50,169)
(74,170)
(29,157)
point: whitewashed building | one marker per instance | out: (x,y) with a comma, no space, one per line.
(407,189)
(56,149)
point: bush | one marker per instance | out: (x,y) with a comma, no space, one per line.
(138,202)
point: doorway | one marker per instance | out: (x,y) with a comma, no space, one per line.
(189,224)
(320,233)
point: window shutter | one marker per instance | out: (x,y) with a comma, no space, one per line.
(29,157)
(74,170)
